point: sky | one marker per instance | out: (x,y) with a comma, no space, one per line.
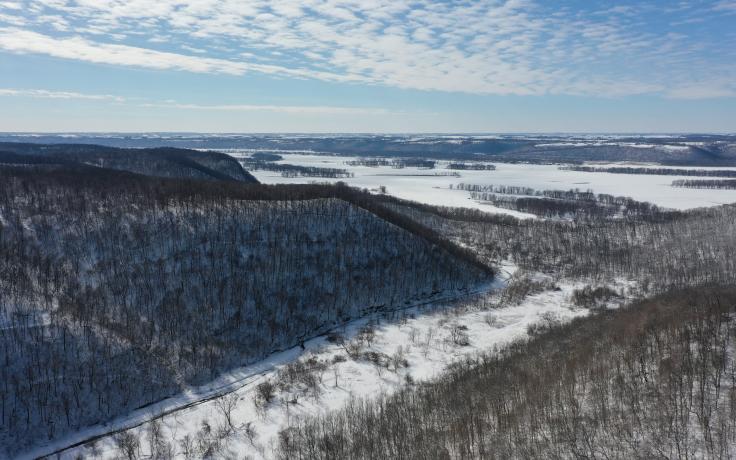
(367,66)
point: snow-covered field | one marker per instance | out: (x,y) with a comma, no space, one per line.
(378,354)
(419,184)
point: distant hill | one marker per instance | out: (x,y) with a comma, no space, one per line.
(690,149)
(161,162)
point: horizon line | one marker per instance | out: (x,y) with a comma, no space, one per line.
(372,133)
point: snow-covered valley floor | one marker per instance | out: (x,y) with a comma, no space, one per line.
(242,413)
(422,185)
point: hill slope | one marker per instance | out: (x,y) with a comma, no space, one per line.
(118,289)
(162,162)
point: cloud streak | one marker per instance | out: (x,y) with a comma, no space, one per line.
(81,49)
(286,109)
(47,94)
(290,109)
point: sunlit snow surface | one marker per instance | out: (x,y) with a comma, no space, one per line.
(406,183)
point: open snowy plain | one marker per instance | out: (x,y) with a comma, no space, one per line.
(422,185)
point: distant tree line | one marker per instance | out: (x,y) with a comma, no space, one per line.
(471,166)
(266,156)
(311,171)
(370,162)
(714,184)
(289,170)
(654,171)
(396,163)
(574,204)
(422,174)
(421,163)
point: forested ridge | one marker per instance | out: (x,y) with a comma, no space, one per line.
(658,250)
(694,149)
(119,289)
(161,161)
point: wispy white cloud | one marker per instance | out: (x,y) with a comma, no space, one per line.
(81,49)
(290,109)
(47,94)
(517,47)
(12,20)
(725,5)
(11,6)
(170,104)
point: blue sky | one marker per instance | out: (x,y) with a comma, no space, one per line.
(368,66)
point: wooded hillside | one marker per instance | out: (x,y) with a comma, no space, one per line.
(162,162)
(118,289)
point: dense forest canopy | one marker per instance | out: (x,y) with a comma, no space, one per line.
(118,289)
